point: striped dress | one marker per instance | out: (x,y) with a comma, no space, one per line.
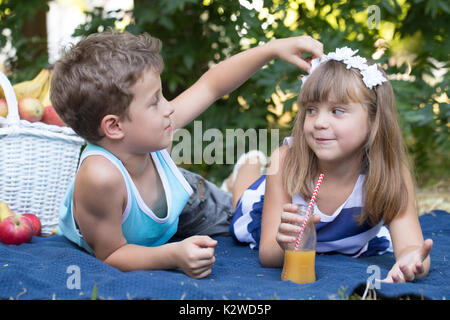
(336,233)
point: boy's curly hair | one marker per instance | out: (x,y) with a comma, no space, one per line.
(94,78)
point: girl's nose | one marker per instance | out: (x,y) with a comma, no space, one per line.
(321,121)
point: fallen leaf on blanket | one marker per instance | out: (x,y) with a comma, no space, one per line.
(94,294)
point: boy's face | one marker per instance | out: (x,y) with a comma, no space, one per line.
(149,127)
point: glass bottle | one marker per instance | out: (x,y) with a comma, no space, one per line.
(299,263)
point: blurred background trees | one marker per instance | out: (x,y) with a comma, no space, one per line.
(409,39)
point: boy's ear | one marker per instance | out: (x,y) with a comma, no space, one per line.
(111,127)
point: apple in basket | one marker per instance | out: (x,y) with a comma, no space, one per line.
(51,117)
(15,229)
(3,108)
(30,109)
(35,223)
(5,211)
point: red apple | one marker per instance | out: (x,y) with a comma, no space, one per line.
(3,108)
(35,223)
(15,230)
(30,109)
(51,117)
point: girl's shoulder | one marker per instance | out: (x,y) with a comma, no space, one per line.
(277,159)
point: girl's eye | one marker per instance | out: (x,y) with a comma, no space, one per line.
(310,110)
(338,111)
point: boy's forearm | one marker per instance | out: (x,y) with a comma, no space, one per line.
(133,257)
(234,71)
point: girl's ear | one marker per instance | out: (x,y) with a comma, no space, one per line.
(111,127)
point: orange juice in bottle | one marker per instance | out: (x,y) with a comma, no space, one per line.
(299,265)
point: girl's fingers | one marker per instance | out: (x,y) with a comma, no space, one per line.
(388,279)
(426,248)
(292,218)
(419,268)
(282,238)
(408,274)
(396,278)
(290,207)
(288,228)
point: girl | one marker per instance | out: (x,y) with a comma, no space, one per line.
(346,128)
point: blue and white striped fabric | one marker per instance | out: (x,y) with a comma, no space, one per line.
(246,223)
(336,233)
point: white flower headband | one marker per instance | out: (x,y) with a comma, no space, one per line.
(371,75)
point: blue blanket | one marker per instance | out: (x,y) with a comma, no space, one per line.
(53,268)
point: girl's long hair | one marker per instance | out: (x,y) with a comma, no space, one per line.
(384,155)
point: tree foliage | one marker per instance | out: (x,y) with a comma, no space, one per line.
(408,38)
(17,21)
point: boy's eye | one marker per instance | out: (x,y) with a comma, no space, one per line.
(155,100)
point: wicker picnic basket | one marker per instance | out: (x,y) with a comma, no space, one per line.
(37,163)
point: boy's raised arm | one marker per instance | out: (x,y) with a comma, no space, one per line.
(234,71)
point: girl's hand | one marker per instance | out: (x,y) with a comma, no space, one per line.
(290,224)
(291,49)
(410,266)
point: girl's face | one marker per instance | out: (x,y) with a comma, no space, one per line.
(336,132)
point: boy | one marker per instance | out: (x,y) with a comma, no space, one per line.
(125,201)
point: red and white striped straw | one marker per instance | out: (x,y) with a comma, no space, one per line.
(308,212)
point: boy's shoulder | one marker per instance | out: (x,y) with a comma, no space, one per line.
(99,174)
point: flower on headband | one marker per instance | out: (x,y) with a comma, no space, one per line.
(372,76)
(314,64)
(341,54)
(356,62)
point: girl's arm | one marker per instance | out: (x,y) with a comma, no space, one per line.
(234,71)
(410,250)
(271,254)
(280,218)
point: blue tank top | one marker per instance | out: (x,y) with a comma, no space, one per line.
(140,225)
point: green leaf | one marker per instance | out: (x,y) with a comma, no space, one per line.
(188,61)
(94,294)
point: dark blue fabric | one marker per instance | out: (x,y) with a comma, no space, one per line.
(42,269)
(343,226)
(254,227)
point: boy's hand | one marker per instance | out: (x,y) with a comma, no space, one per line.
(196,256)
(290,224)
(290,50)
(410,266)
